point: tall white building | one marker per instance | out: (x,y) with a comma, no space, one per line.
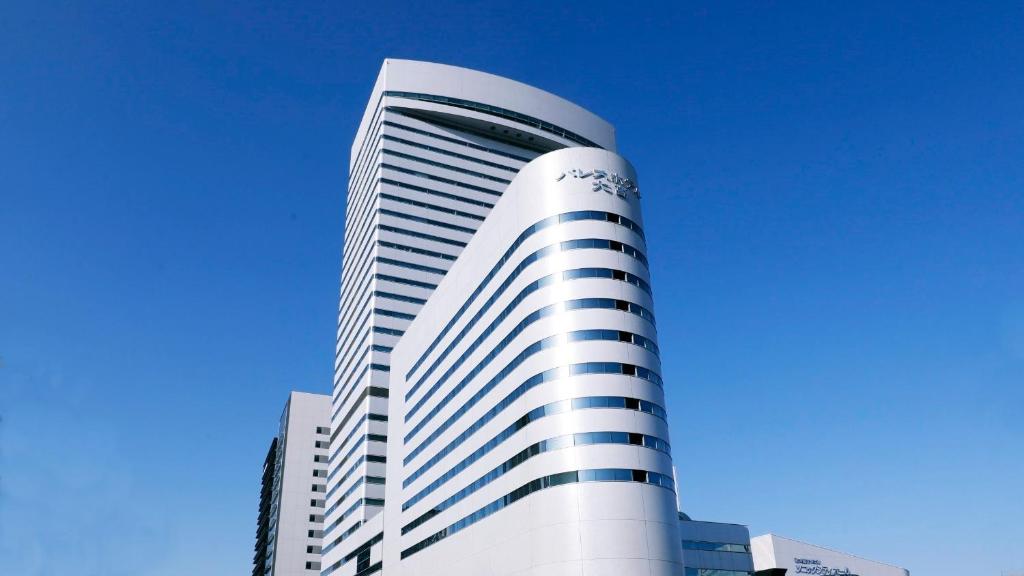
(528,431)
(290,524)
(436,149)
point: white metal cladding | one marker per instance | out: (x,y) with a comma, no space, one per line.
(482,478)
(436,149)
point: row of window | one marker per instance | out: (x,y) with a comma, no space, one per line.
(529,231)
(351,489)
(337,521)
(405,281)
(550,375)
(364,163)
(527,352)
(372,390)
(363,166)
(496,111)
(355,465)
(368,391)
(551,409)
(569,305)
(441,179)
(343,536)
(363,439)
(564,246)
(420,251)
(393,314)
(410,265)
(398,298)
(362,324)
(348,319)
(355,485)
(420,235)
(366,416)
(451,124)
(357,262)
(544,281)
(357,269)
(388,331)
(358,502)
(353,360)
(465,171)
(363,549)
(536,449)
(566,275)
(447,152)
(715,546)
(465,143)
(543,483)
(427,221)
(438,193)
(429,206)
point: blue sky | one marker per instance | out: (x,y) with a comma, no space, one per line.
(834,200)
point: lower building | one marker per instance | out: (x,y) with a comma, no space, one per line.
(715,548)
(259,560)
(778,556)
(289,528)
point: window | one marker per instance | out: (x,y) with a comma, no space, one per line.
(319,487)
(715,546)
(320,473)
(322,444)
(543,483)
(556,443)
(323,430)
(312,565)
(715,572)
(363,560)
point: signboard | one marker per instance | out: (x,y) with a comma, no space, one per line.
(815,567)
(604,181)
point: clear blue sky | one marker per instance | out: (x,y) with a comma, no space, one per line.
(834,196)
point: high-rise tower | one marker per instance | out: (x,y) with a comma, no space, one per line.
(435,150)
